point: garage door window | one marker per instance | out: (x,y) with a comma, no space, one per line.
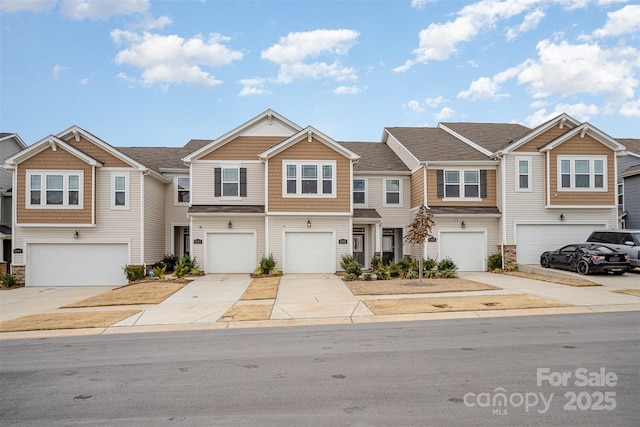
(55,189)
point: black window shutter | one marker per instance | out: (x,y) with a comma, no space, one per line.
(440,174)
(243,182)
(217,182)
(483,184)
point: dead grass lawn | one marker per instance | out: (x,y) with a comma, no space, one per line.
(247,312)
(633,292)
(552,279)
(465,303)
(262,288)
(405,286)
(73,320)
(142,293)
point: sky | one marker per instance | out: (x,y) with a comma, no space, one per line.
(159,73)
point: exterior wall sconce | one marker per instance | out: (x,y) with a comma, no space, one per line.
(308,223)
(76,235)
(230,224)
(462,224)
(561,217)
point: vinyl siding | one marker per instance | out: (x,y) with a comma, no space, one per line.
(244,148)
(108,160)
(417,188)
(8,148)
(174,214)
(392,217)
(154,219)
(432,190)
(541,140)
(314,151)
(632,201)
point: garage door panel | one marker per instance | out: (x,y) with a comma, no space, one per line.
(533,239)
(231,252)
(309,252)
(466,248)
(76,264)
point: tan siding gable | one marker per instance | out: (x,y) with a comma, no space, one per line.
(89,148)
(417,188)
(541,140)
(586,146)
(53,160)
(432,191)
(244,148)
(314,150)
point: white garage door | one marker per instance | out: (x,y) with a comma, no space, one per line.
(307,252)
(533,239)
(76,264)
(466,248)
(231,252)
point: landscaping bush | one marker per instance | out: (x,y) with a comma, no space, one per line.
(375,261)
(382,272)
(512,266)
(169,262)
(394,270)
(185,266)
(428,264)
(267,264)
(447,273)
(350,277)
(159,271)
(447,264)
(430,274)
(404,265)
(275,272)
(494,261)
(7,280)
(350,265)
(134,272)
(367,276)
(411,274)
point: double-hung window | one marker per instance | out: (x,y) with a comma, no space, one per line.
(55,189)
(183,189)
(459,184)
(120,190)
(523,174)
(392,192)
(359,192)
(309,179)
(582,173)
(230,182)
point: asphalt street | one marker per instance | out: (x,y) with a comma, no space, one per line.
(575,370)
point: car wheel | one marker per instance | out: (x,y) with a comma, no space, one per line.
(582,267)
(544,261)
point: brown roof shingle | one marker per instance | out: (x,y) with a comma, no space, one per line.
(491,136)
(375,156)
(434,144)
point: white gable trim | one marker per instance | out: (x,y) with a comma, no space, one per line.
(54,143)
(268,115)
(465,140)
(307,134)
(17,138)
(560,121)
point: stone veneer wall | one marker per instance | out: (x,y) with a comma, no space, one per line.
(510,254)
(18,271)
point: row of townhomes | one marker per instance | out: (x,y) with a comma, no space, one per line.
(84,208)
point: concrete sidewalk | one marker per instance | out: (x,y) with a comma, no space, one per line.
(303,299)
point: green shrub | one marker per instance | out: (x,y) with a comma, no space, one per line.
(512,266)
(404,265)
(382,272)
(257,272)
(375,261)
(447,273)
(428,264)
(411,274)
(430,274)
(447,264)
(275,272)
(494,261)
(367,276)
(159,271)
(134,272)
(267,264)
(350,277)
(185,266)
(8,280)
(350,265)
(169,262)
(394,270)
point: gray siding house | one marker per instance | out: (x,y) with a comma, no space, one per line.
(629,185)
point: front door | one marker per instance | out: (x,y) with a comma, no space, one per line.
(388,245)
(358,248)
(185,241)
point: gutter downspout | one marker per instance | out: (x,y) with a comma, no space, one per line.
(145,172)
(503,174)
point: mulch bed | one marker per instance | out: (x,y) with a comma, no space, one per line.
(412,286)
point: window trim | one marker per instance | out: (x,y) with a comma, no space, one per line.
(529,174)
(364,191)
(319,164)
(127,189)
(400,193)
(176,189)
(572,173)
(65,189)
(461,185)
(222,182)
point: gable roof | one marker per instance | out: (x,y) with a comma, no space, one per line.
(375,157)
(6,136)
(262,124)
(582,130)
(164,159)
(633,145)
(54,143)
(304,135)
(560,120)
(491,136)
(435,144)
(630,171)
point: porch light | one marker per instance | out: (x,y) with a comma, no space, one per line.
(561,217)
(230,225)
(76,234)
(308,223)
(463,225)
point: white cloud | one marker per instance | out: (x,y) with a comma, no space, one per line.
(57,70)
(445,113)
(292,52)
(172,59)
(439,41)
(419,4)
(346,90)
(623,21)
(580,111)
(530,22)
(102,10)
(11,6)
(434,102)
(253,87)
(630,108)
(489,88)
(414,106)
(83,82)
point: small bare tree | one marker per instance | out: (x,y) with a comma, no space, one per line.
(418,233)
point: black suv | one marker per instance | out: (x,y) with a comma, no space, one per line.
(627,241)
